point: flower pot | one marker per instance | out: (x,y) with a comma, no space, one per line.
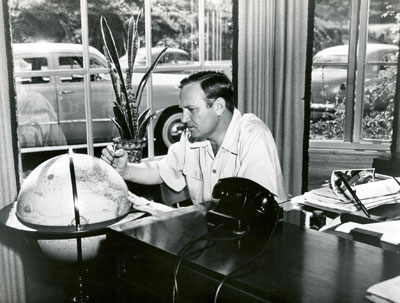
(134,148)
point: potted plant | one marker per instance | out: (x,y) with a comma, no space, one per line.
(130,122)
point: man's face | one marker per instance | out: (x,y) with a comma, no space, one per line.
(200,119)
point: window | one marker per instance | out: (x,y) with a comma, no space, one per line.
(354,71)
(79,95)
(31,64)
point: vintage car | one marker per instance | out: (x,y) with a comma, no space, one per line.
(51,106)
(329,75)
(173,56)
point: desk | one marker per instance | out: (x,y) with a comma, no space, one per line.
(300,215)
(300,265)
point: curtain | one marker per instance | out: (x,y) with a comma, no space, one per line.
(272,44)
(12,286)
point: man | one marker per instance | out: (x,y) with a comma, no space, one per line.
(219,142)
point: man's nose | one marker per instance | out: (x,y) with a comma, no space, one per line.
(185,116)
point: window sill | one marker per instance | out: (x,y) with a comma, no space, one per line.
(349,145)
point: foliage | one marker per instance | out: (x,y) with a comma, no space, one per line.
(174,24)
(328,129)
(378,112)
(130,124)
(379,104)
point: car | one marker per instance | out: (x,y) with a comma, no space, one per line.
(51,107)
(329,76)
(173,56)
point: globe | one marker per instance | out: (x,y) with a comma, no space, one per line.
(46,202)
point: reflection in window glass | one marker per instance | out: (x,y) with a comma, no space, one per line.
(381,71)
(329,72)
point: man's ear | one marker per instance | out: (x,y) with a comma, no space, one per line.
(220,106)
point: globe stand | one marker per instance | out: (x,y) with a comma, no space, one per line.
(9,221)
(81,296)
(73,231)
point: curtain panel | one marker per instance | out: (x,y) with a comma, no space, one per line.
(272,44)
(12,285)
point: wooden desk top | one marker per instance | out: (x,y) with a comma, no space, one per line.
(300,265)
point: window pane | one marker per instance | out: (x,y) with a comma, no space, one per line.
(380,71)
(218,30)
(329,72)
(39,31)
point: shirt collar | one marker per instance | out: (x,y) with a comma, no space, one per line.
(232,134)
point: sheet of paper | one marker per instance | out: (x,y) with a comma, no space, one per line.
(151,207)
(387,290)
(378,188)
(390,230)
(349,226)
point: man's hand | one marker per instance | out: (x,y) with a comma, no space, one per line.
(117,159)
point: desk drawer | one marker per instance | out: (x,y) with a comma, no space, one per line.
(145,274)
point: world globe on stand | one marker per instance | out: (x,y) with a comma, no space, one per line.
(46,203)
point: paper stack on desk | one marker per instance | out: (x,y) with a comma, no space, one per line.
(371,195)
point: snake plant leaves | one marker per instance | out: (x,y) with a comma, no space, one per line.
(112,51)
(144,124)
(117,125)
(144,120)
(114,78)
(142,116)
(146,76)
(120,117)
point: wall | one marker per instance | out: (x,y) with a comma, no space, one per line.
(323,161)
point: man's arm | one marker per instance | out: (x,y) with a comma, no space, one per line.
(142,173)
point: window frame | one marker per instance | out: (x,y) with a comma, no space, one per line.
(86,71)
(352,138)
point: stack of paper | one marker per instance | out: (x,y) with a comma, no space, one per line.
(371,195)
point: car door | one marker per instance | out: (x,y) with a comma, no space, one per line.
(71,100)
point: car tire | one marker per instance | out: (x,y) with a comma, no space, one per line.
(169,130)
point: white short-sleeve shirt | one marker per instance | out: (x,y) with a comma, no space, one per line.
(248,151)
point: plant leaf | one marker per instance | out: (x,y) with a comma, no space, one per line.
(109,44)
(117,125)
(145,118)
(145,123)
(143,115)
(114,78)
(143,82)
(120,118)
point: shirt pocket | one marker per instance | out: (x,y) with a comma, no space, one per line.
(194,181)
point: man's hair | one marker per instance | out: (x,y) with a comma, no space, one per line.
(214,85)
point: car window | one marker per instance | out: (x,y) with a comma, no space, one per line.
(94,63)
(390,57)
(330,59)
(76,62)
(168,58)
(182,58)
(31,64)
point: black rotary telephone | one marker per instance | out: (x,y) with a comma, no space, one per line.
(244,207)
